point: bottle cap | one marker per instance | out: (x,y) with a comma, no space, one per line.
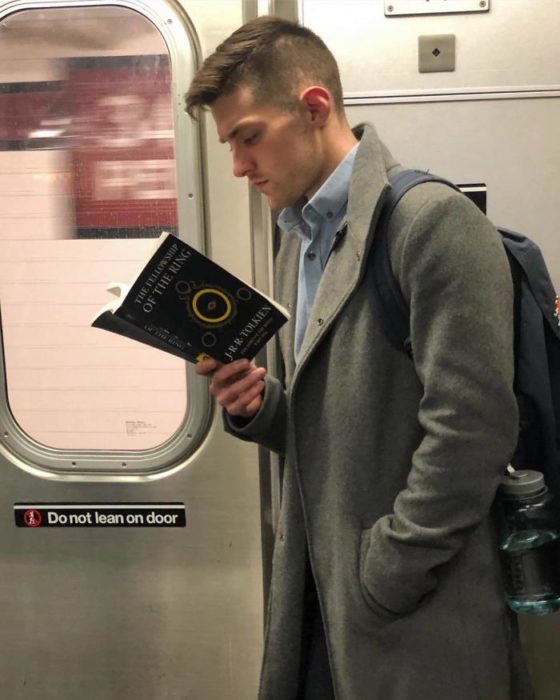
(522,483)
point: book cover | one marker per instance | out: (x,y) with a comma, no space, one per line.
(183,303)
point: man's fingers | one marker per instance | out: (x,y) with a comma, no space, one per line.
(237,395)
(228,392)
(209,367)
(247,403)
(254,406)
(206,367)
(237,386)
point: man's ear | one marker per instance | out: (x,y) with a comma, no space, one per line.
(317,103)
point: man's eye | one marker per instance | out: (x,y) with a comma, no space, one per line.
(250,140)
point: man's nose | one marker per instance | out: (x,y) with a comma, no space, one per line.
(242,164)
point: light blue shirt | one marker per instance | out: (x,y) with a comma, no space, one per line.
(316,223)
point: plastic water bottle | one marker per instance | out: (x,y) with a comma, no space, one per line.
(529,524)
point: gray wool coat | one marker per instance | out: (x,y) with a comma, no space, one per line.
(391,467)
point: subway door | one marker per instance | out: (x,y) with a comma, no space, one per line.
(130,524)
(474,107)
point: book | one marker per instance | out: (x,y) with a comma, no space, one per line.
(184,303)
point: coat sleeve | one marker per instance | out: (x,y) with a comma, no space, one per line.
(454,273)
(268,426)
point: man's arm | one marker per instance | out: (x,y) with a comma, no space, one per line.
(453,271)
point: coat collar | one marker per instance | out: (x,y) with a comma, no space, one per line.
(368,186)
(369,181)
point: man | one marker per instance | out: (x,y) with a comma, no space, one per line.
(386,581)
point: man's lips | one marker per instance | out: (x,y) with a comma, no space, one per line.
(259,183)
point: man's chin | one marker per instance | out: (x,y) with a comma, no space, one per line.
(274,204)
(277,204)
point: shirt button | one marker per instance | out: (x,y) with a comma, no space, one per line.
(311,255)
(329,215)
(320,321)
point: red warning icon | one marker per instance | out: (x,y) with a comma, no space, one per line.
(32,518)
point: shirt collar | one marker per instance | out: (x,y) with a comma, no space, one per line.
(325,204)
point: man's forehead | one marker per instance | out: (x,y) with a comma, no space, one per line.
(230,109)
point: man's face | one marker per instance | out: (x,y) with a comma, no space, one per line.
(278,151)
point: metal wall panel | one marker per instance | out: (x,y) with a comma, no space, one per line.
(511,145)
(515,44)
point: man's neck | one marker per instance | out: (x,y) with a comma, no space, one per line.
(337,143)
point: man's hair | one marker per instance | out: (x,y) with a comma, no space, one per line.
(274,57)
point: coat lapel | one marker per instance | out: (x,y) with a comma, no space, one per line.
(287,266)
(368,187)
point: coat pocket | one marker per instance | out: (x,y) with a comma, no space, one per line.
(383,614)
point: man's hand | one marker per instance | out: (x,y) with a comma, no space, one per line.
(237,386)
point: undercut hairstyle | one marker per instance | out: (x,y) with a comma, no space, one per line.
(272,56)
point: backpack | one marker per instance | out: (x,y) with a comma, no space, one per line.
(536,332)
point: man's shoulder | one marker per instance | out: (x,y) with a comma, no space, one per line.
(434,201)
(436,219)
(434,194)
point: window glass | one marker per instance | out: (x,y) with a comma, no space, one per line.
(87,181)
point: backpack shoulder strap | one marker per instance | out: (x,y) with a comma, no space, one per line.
(391,306)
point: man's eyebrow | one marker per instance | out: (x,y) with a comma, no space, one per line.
(231,135)
(235,132)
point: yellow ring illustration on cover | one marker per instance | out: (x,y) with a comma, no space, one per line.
(207,319)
